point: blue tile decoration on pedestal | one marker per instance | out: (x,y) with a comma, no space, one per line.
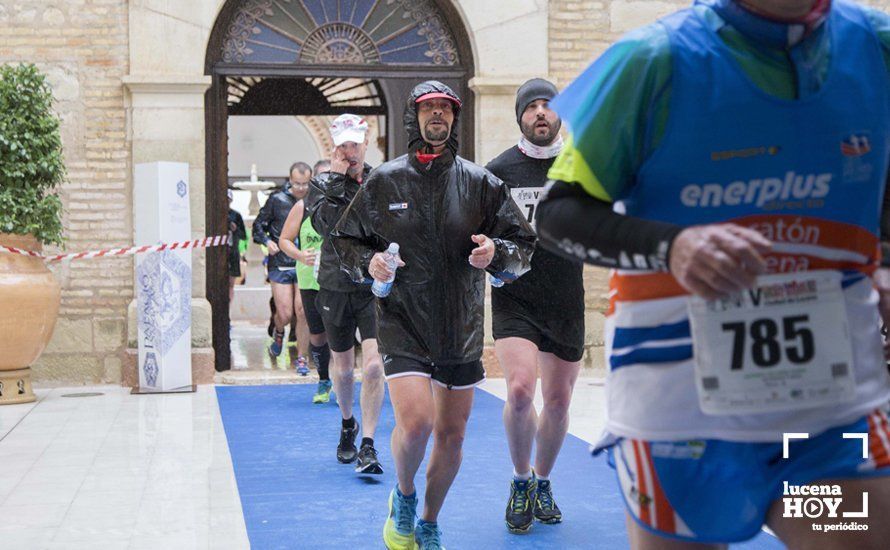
(164,299)
(182,189)
(150,368)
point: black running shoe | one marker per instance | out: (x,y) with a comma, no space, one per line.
(546,510)
(367,461)
(346,451)
(520,509)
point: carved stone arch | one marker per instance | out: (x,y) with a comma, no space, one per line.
(318,127)
(300,51)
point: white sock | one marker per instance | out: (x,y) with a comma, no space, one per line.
(521,477)
(542,478)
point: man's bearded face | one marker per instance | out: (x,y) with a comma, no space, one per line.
(435,117)
(540,125)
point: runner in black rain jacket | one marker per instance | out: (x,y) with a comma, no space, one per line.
(268,223)
(431,209)
(329,195)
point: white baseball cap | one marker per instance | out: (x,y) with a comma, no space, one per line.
(348,127)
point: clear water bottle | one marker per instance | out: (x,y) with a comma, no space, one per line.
(317,263)
(494,281)
(391,256)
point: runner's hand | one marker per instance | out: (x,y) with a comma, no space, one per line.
(379,269)
(882,283)
(482,255)
(307,257)
(339,163)
(273,247)
(716,260)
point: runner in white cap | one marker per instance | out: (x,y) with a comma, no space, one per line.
(343,304)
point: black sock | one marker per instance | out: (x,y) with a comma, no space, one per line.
(321,358)
(367,441)
(349,423)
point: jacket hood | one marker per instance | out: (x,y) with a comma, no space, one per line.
(415,139)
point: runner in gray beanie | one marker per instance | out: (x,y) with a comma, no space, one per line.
(536,88)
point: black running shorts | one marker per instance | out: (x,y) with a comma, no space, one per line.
(453,377)
(563,338)
(234,262)
(342,313)
(313,318)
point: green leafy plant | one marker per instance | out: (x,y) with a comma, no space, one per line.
(31,162)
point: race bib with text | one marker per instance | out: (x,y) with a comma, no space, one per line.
(527,198)
(783,345)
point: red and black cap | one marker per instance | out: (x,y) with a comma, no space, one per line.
(431,89)
(439,95)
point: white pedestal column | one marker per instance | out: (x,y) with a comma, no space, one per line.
(163,279)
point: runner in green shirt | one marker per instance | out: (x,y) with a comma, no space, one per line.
(300,241)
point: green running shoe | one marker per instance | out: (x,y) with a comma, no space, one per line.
(520,514)
(323,392)
(398,531)
(427,536)
(546,510)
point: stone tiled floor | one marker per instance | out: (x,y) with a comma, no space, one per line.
(117,471)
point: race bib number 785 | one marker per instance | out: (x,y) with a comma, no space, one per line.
(783,345)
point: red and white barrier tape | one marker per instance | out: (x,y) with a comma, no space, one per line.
(206,242)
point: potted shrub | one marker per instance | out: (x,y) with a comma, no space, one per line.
(31,169)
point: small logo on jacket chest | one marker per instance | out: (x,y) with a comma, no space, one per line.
(398,206)
(855,145)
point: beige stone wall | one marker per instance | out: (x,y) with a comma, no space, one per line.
(83,48)
(581,30)
(128,77)
(164,90)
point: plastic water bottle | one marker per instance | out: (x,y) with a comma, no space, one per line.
(494,281)
(391,257)
(317,263)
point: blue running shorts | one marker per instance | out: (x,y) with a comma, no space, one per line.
(715,491)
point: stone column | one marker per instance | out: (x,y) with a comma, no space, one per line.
(166,121)
(495,114)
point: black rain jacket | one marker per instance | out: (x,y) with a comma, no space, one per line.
(270,221)
(435,310)
(329,195)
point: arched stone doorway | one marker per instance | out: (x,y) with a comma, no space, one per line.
(283,55)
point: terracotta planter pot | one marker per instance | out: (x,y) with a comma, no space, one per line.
(29,306)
